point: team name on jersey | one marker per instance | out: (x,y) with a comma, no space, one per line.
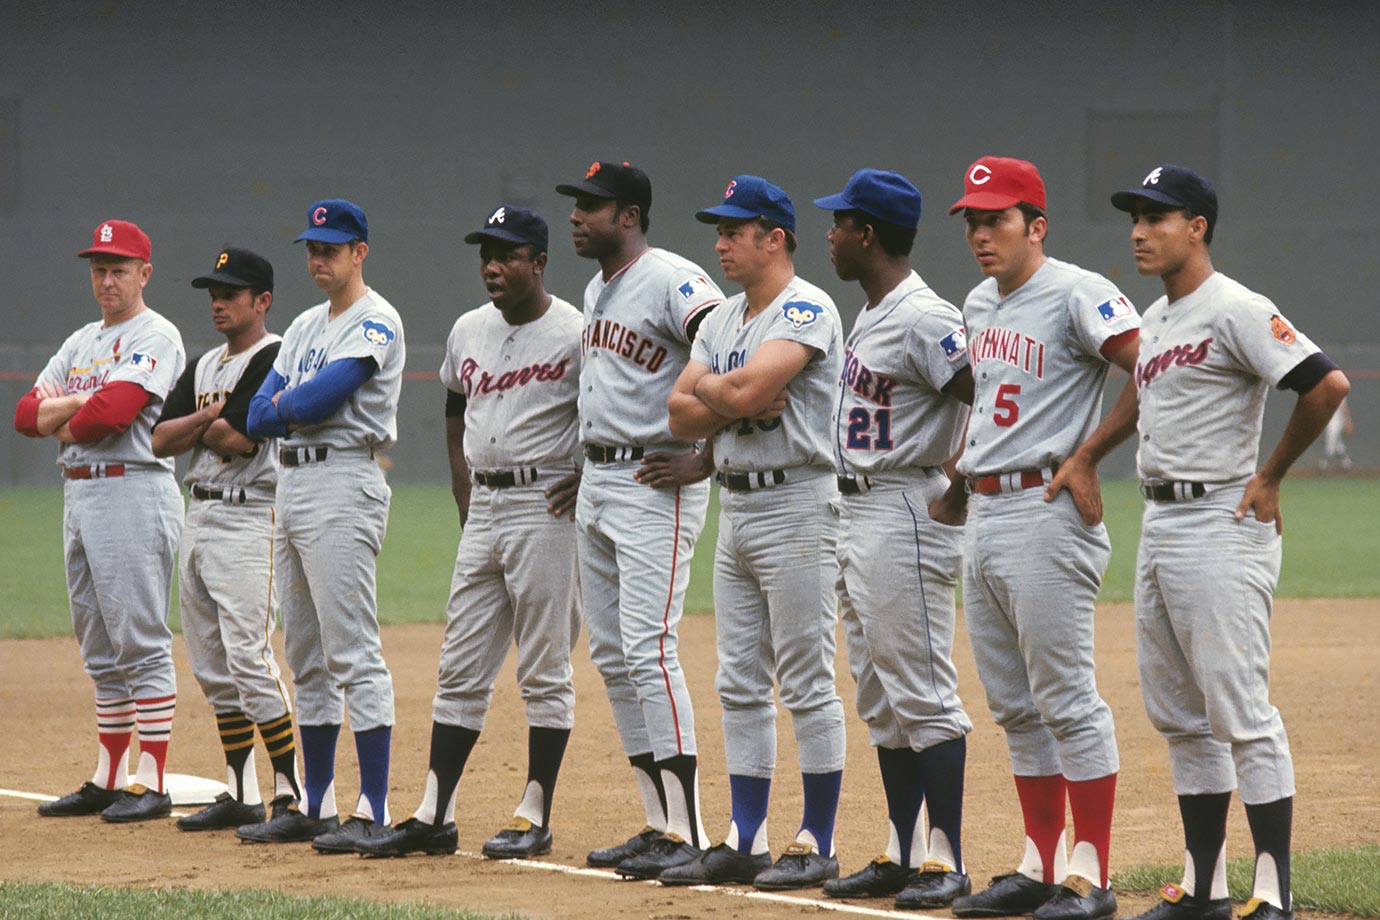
(81,379)
(607,335)
(866,382)
(312,360)
(1010,347)
(205,399)
(735,359)
(1147,369)
(488,383)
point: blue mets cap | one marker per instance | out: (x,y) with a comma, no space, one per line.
(890,197)
(335,220)
(1176,186)
(509,224)
(752,196)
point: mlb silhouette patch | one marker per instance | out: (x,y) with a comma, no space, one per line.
(143,362)
(1114,309)
(955,344)
(694,288)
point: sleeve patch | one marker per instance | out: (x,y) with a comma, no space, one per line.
(1115,309)
(376,333)
(955,344)
(143,362)
(801,313)
(695,288)
(1280,329)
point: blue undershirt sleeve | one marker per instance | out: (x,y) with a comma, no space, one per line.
(264,420)
(321,396)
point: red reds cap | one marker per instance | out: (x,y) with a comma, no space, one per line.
(998,183)
(119,238)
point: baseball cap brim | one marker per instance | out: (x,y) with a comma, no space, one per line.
(584,188)
(1124,200)
(325,235)
(111,250)
(732,212)
(504,236)
(985,201)
(837,202)
(220,279)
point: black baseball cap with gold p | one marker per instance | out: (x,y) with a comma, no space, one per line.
(619,181)
(238,268)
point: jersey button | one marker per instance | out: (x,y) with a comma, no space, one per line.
(493,440)
(972,443)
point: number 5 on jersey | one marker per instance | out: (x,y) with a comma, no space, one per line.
(1005,411)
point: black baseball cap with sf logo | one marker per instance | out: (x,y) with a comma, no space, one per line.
(620,181)
(238,268)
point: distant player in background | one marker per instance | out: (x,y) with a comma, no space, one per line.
(226,560)
(121,516)
(1340,427)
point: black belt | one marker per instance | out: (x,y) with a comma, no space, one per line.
(746,482)
(1172,491)
(605,453)
(851,486)
(232,496)
(296,456)
(505,479)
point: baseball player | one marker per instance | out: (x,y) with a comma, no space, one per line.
(332,400)
(642,501)
(1338,429)
(226,560)
(760,383)
(121,516)
(1041,336)
(898,419)
(1210,544)
(511,374)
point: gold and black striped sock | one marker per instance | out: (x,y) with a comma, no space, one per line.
(237,737)
(282,753)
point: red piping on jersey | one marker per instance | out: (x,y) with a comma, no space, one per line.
(685,326)
(616,275)
(666,628)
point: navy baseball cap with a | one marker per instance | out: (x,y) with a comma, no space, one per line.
(748,197)
(1176,186)
(888,196)
(335,220)
(510,224)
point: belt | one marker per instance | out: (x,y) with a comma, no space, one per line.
(746,482)
(848,485)
(607,453)
(229,496)
(94,471)
(504,479)
(1172,491)
(1007,482)
(297,456)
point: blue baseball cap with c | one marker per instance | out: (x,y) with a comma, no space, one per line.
(335,220)
(748,197)
(888,196)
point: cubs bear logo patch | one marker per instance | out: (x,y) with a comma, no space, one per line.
(1280,329)
(377,333)
(801,313)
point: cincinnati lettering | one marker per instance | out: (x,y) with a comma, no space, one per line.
(1010,347)
(606,335)
(866,382)
(1147,369)
(489,383)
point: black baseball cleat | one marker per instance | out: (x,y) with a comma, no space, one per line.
(90,799)
(352,832)
(1078,899)
(1260,909)
(880,878)
(288,825)
(138,803)
(1008,896)
(666,850)
(798,866)
(935,885)
(1177,904)
(720,863)
(224,813)
(610,857)
(521,839)
(411,836)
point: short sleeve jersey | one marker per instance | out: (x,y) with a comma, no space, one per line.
(369,328)
(800,437)
(146,350)
(521,386)
(1206,362)
(1038,370)
(890,412)
(636,342)
(216,375)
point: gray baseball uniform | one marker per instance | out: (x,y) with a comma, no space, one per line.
(1205,582)
(775,564)
(635,542)
(898,569)
(1032,569)
(515,571)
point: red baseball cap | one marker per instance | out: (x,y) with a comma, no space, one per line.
(998,183)
(119,238)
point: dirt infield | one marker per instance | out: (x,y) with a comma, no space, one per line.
(1325,678)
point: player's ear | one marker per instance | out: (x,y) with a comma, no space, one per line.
(539,263)
(1037,230)
(360,251)
(145,270)
(263,302)
(631,216)
(1197,227)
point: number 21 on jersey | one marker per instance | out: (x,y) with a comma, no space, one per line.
(860,426)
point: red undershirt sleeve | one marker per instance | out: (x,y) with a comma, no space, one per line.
(1117,342)
(109,411)
(26,414)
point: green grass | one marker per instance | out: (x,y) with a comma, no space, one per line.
(1345,881)
(1330,542)
(59,902)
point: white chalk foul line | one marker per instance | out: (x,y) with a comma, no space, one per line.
(609,875)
